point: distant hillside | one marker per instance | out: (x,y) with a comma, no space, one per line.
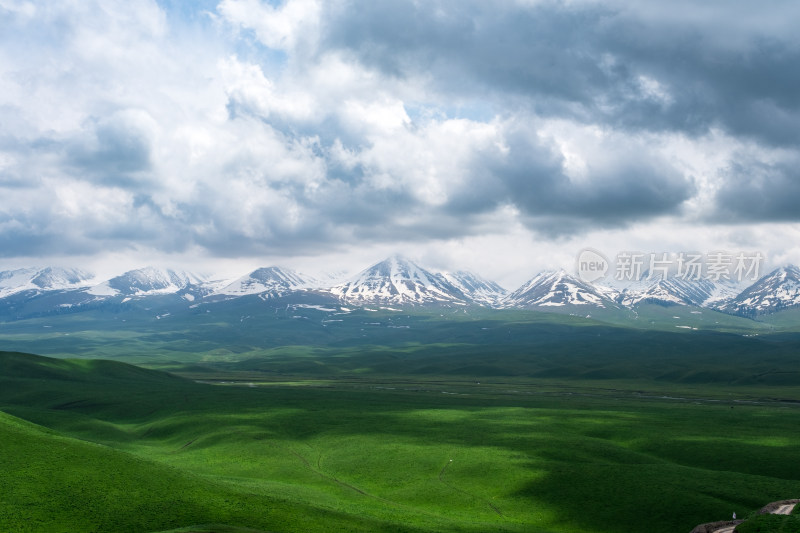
(14,365)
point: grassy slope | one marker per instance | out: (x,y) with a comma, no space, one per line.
(442,343)
(136,481)
(771,524)
(55,483)
(373,459)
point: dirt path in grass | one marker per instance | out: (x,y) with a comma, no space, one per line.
(783,508)
(726,529)
(453,487)
(318,470)
(329,477)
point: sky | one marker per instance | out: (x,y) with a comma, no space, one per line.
(501,137)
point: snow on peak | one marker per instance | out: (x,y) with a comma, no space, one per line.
(272,280)
(557,288)
(780,289)
(480,290)
(147,281)
(42,279)
(400,281)
(679,291)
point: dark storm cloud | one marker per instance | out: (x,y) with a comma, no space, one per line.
(631,192)
(633,186)
(473,47)
(40,232)
(642,67)
(591,61)
(758,191)
(21,235)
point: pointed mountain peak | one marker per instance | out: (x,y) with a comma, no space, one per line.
(148,280)
(394,263)
(778,290)
(272,280)
(788,272)
(557,288)
(397,280)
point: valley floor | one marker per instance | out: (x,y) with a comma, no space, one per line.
(101,446)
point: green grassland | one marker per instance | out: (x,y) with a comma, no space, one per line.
(155,330)
(396,439)
(289,418)
(502,341)
(771,524)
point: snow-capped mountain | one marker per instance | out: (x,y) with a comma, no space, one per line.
(274,281)
(678,291)
(778,290)
(42,279)
(559,289)
(398,281)
(395,282)
(478,289)
(146,282)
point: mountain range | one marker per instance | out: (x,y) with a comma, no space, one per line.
(394,283)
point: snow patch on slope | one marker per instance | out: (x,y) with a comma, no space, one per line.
(557,289)
(478,289)
(780,289)
(147,281)
(272,280)
(398,281)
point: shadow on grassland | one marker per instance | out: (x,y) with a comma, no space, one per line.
(661,498)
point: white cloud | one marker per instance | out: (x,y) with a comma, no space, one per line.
(276,27)
(384,117)
(250,91)
(24,10)
(123,135)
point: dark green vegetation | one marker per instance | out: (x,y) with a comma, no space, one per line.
(164,328)
(771,524)
(565,425)
(292,418)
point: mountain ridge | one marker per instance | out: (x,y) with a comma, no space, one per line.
(398,281)
(777,290)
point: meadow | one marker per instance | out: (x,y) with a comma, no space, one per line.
(403,438)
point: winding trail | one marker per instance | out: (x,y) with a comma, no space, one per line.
(453,487)
(331,478)
(784,507)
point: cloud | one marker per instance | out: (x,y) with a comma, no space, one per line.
(618,183)
(248,127)
(630,65)
(116,150)
(278,27)
(755,190)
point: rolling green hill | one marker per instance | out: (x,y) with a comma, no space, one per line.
(105,446)
(56,483)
